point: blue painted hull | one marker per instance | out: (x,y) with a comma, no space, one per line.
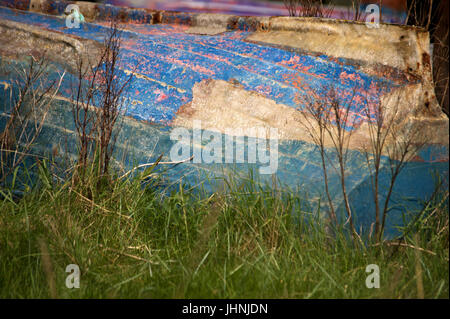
(171,62)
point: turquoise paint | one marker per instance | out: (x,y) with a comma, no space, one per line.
(181,60)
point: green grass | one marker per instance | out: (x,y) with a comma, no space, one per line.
(243,242)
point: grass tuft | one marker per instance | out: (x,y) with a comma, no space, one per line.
(132,241)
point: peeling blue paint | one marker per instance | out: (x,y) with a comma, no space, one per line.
(167,54)
(170,62)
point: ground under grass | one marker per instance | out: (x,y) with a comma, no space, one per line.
(244,242)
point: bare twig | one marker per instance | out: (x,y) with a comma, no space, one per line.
(308,8)
(29,110)
(155,163)
(332,120)
(405,245)
(98,104)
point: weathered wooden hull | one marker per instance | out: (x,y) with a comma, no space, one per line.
(237,76)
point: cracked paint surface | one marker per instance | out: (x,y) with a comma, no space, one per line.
(171,61)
